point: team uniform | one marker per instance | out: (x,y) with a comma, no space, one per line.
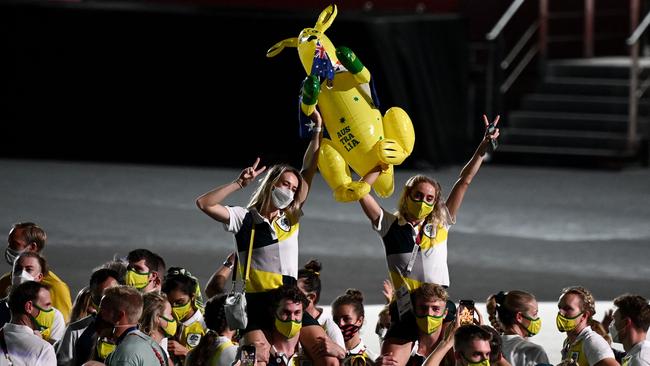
(587,349)
(224,353)
(360,355)
(415,255)
(191,331)
(333,331)
(274,261)
(521,352)
(639,355)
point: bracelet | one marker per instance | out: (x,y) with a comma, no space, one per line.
(239,184)
(228,264)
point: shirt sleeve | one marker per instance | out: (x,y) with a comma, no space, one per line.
(65,347)
(237,215)
(334,332)
(596,349)
(386,219)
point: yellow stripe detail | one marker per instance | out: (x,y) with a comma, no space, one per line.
(262,281)
(282,231)
(398,281)
(441,237)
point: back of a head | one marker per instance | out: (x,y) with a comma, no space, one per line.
(504,306)
(311,278)
(124,298)
(118,266)
(351,297)
(153,306)
(496,343)
(102,274)
(215,315)
(467,333)
(22,294)
(636,308)
(32,234)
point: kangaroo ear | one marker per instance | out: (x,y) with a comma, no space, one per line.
(278,47)
(326,18)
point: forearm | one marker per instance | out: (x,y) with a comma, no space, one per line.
(217,283)
(438,355)
(474,164)
(310,159)
(217,195)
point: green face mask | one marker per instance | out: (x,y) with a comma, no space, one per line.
(485,362)
(288,328)
(170,328)
(429,324)
(182,311)
(136,279)
(418,209)
(43,321)
(565,324)
(534,327)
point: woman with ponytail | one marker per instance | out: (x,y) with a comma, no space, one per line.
(216,347)
(515,315)
(309,283)
(157,320)
(348,314)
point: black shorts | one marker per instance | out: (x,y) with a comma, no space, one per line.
(260,313)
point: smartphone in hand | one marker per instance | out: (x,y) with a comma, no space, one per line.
(467,312)
(247,355)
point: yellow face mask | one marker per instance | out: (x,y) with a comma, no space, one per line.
(136,279)
(565,324)
(104,348)
(288,328)
(534,327)
(418,209)
(429,324)
(43,321)
(170,328)
(182,311)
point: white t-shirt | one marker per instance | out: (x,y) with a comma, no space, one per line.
(332,330)
(588,348)
(639,355)
(521,352)
(25,348)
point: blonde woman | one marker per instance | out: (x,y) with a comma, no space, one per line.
(415,238)
(157,320)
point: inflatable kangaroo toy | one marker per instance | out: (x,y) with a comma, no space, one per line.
(360,138)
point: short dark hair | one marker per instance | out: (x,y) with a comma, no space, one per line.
(23,293)
(311,276)
(102,274)
(152,260)
(636,308)
(33,234)
(467,333)
(291,293)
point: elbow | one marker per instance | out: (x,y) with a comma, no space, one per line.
(200,204)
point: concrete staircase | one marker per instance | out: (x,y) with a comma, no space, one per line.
(577,116)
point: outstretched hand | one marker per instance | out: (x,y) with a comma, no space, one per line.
(491,133)
(249,174)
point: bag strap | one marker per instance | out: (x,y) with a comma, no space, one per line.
(250,254)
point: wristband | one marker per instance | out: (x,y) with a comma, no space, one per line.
(228,264)
(239,184)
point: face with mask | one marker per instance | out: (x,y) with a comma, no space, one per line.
(139,280)
(26,268)
(288,318)
(346,317)
(182,304)
(420,201)
(17,245)
(429,314)
(570,316)
(283,192)
(617,327)
(529,321)
(41,313)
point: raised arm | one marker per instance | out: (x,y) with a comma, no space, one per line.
(471,168)
(217,283)
(210,202)
(370,207)
(310,160)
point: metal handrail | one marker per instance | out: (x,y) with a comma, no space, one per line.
(503,21)
(638,32)
(633,98)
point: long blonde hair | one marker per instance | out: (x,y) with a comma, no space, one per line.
(153,307)
(261,198)
(439,215)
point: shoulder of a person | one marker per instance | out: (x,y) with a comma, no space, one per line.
(54,281)
(82,323)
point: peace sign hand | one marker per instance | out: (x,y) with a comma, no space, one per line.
(249,174)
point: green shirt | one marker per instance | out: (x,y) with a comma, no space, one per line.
(137,349)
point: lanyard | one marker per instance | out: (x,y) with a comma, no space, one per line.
(414,252)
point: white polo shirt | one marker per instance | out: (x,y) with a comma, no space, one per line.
(26,348)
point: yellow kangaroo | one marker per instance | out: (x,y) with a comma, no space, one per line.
(359,137)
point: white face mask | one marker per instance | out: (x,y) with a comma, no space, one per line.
(11,255)
(22,277)
(614,333)
(281,197)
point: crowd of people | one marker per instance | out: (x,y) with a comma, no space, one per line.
(139,311)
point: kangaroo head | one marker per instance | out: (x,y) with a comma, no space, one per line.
(308,40)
